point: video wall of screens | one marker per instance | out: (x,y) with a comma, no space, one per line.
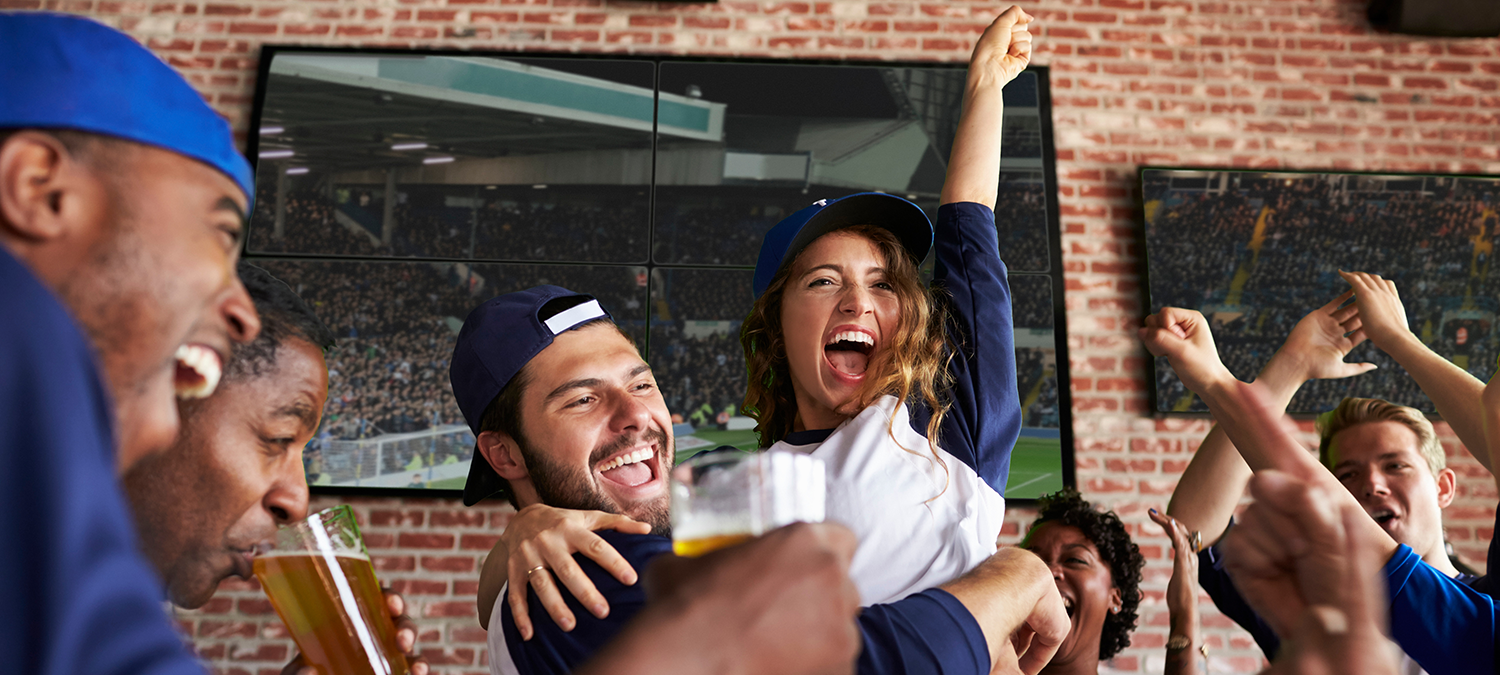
(398,190)
(1256,251)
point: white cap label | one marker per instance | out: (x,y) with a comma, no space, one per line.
(573,316)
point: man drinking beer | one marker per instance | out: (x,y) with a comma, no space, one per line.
(567,414)
(235,472)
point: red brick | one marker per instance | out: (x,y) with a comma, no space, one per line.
(705,22)
(256,606)
(448,563)
(434,610)
(1423,83)
(419,587)
(210,629)
(652,21)
(425,540)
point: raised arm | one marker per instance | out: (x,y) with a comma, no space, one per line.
(1456,394)
(1001,53)
(1491,404)
(984,418)
(1211,486)
(1243,410)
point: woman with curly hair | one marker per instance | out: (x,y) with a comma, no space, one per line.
(1098,572)
(907,393)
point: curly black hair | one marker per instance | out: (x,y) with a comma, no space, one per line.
(1108,534)
(283,315)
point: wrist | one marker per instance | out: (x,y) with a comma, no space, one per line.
(985,80)
(1284,371)
(1399,340)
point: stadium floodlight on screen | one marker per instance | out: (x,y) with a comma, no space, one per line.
(399,189)
(1255,251)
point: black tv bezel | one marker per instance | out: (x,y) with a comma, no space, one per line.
(1049,171)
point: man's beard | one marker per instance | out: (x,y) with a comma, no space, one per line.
(561,487)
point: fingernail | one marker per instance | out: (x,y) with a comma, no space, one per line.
(630,579)
(600,610)
(1153,511)
(1333,619)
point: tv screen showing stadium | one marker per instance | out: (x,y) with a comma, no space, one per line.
(1255,251)
(397,190)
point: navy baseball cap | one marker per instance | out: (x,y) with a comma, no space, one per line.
(68,72)
(498,339)
(784,241)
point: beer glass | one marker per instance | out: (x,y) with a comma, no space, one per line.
(320,580)
(723,497)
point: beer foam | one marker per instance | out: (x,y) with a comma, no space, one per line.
(314,554)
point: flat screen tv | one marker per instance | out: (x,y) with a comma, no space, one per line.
(399,189)
(1255,251)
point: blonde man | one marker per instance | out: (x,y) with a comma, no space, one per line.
(1386,456)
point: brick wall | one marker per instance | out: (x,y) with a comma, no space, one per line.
(1243,83)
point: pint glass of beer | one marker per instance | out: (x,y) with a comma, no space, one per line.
(320,581)
(723,497)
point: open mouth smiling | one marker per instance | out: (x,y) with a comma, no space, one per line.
(848,351)
(198,370)
(632,469)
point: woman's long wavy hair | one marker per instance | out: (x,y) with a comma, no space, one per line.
(912,365)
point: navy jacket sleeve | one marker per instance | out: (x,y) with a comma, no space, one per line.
(984,419)
(78,598)
(1216,582)
(1442,624)
(552,650)
(930,632)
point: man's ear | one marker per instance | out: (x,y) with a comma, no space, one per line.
(504,456)
(1447,487)
(36,176)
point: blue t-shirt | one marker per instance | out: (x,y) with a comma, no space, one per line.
(930,632)
(78,598)
(1442,623)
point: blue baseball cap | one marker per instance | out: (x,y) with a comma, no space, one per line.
(68,72)
(498,339)
(784,241)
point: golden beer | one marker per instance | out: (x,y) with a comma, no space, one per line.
(337,616)
(724,497)
(692,548)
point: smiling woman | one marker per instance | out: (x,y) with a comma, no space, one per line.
(906,392)
(1098,572)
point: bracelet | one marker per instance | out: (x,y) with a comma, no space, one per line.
(1178,643)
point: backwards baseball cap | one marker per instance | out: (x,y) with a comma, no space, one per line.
(784,241)
(498,339)
(68,72)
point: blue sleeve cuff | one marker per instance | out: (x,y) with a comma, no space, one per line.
(930,632)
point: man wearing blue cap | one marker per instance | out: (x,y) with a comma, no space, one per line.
(122,200)
(566,414)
